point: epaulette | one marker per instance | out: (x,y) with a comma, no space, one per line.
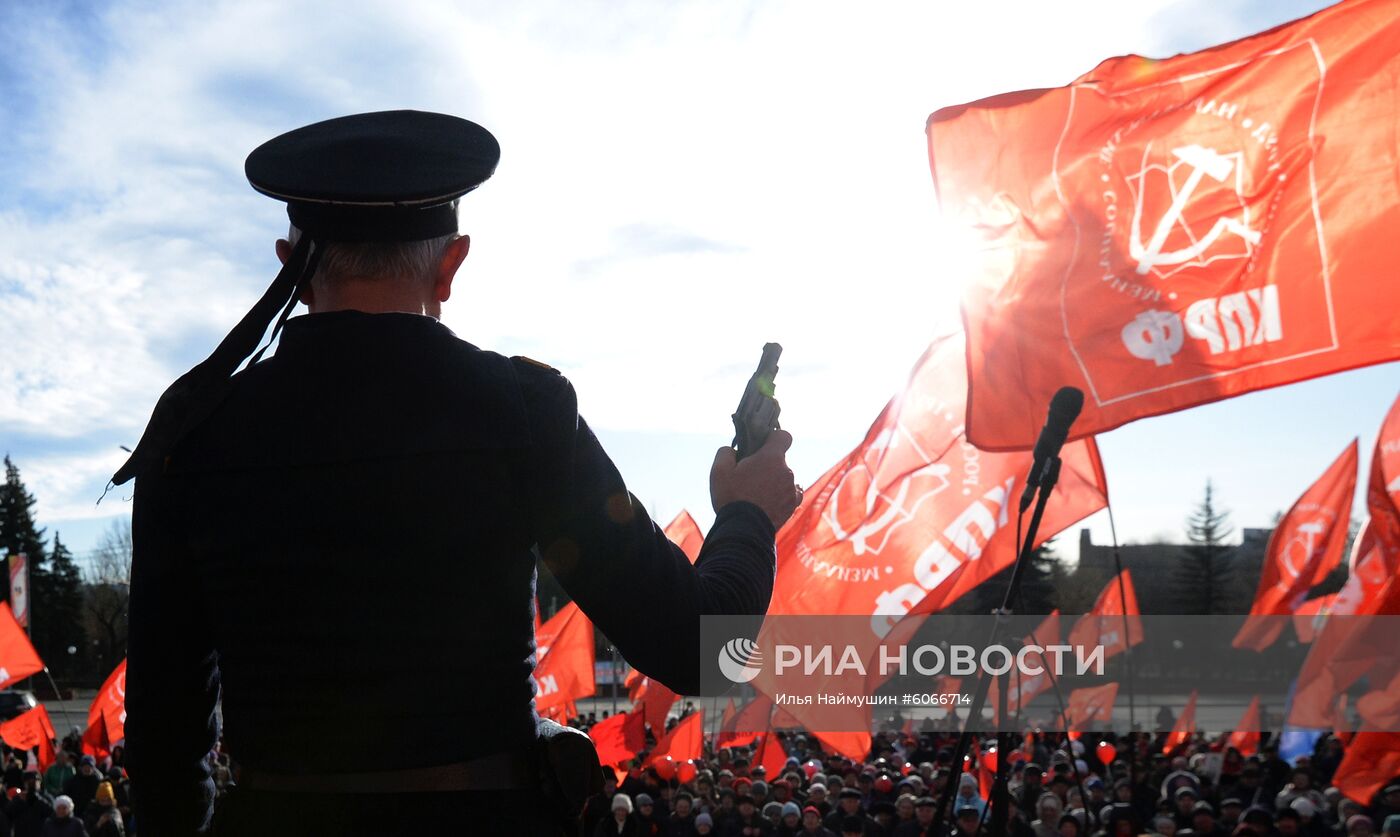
(545,366)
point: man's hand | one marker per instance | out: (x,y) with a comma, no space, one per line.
(763,479)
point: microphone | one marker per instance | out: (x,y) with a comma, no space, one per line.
(1064,409)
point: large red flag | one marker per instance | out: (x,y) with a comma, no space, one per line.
(908,522)
(1305,546)
(1166,233)
(684,741)
(564,659)
(853,745)
(1105,625)
(1245,738)
(1371,760)
(915,516)
(18,659)
(685,533)
(1346,650)
(1184,727)
(29,730)
(619,738)
(1089,706)
(109,706)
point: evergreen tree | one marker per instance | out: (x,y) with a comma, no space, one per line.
(57,609)
(1202,578)
(1038,590)
(17,530)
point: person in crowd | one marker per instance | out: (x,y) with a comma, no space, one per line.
(62,823)
(812,825)
(101,817)
(622,823)
(82,788)
(1048,811)
(30,808)
(922,823)
(59,773)
(704,824)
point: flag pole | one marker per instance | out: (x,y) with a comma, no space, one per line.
(1123,606)
(67,721)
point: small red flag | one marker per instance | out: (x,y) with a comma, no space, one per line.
(685,740)
(655,701)
(685,533)
(772,756)
(1024,688)
(1184,727)
(1371,760)
(1090,706)
(1105,625)
(1245,738)
(29,730)
(1305,546)
(619,738)
(746,725)
(18,659)
(853,745)
(1167,233)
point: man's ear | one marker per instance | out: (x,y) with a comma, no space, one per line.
(452,257)
(284,250)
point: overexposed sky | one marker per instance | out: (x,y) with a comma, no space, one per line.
(679,183)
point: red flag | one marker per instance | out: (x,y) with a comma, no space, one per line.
(772,756)
(908,522)
(917,500)
(1371,760)
(619,738)
(742,727)
(1025,687)
(1348,649)
(18,659)
(684,741)
(109,706)
(1245,738)
(1166,233)
(1090,706)
(655,701)
(29,730)
(1105,625)
(564,659)
(685,533)
(1307,618)
(1184,727)
(1305,546)
(853,745)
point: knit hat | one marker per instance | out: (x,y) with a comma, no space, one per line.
(1303,806)
(63,801)
(643,799)
(622,801)
(105,795)
(704,819)
(791,809)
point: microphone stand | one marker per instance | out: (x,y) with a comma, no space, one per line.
(1050,474)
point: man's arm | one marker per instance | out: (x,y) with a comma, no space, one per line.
(636,586)
(172,675)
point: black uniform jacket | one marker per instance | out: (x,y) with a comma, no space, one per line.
(347,548)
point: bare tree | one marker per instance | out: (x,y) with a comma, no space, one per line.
(107,593)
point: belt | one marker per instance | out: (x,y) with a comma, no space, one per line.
(499,771)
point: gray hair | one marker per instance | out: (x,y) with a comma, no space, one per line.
(373,260)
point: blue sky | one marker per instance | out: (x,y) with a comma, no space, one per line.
(680,183)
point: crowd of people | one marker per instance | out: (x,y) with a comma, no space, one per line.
(1057,787)
(77,795)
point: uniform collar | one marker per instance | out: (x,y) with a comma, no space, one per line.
(355,325)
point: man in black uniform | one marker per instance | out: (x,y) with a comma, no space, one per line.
(343,537)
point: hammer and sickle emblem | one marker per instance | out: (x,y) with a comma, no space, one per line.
(1203,161)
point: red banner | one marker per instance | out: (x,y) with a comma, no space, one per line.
(1105,625)
(109,706)
(771,756)
(619,738)
(1371,761)
(1166,233)
(1304,547)
(19,588)
(1184,727)
(1090,706)
(18,659)
(685,533)
(564,659)
(685,740)
(29,730)
(1025,687)
(1245,738)
(1346,650)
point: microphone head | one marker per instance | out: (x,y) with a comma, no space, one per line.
(1065,406)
